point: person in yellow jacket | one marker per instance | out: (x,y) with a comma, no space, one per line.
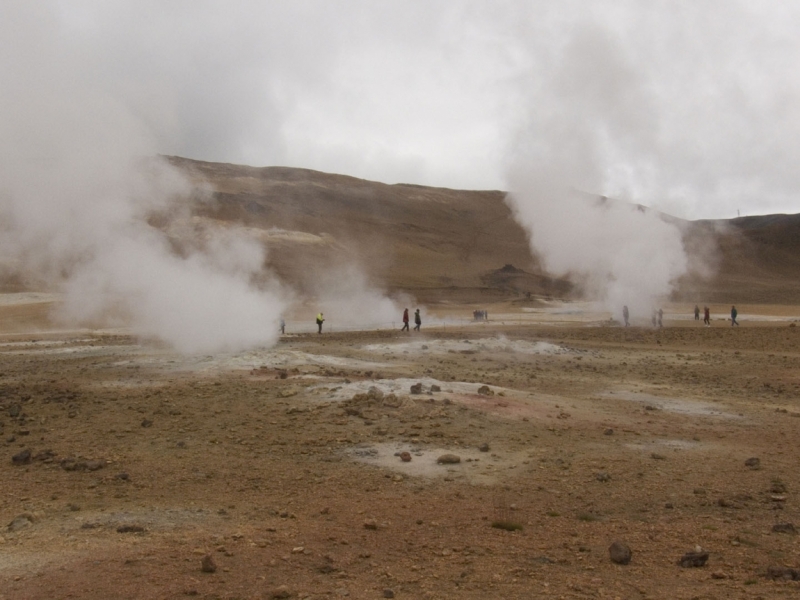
(320,321)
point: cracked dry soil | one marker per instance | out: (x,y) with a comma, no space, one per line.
(142,464)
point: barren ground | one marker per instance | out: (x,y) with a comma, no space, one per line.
(280,465)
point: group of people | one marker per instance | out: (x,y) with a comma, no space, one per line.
(657,318)
(658,315)
(417,320)
(321,320)
(707,315)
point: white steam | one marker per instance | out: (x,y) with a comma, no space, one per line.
(350,301)
(591,140)
(78,186)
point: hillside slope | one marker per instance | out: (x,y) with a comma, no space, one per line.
(432,242)
(440,243)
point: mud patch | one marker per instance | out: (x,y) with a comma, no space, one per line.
(675,444)
(402,387)
(476,467)
(493,345)
(681,406)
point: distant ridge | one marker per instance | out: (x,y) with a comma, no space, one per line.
(439,243)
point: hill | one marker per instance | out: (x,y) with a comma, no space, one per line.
(434,243)
(438,243)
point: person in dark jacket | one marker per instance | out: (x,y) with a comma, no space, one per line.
(417,320)
(405,320)
(625,315)
(734,313)
(706,316)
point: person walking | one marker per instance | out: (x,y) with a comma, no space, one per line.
(625,315)
(320,321)
(660,318)
(696,312)
(417,320)
(283,326)
(405,320)
(706,316)
(734,313)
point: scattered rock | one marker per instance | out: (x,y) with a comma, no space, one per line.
(45,456)
(22,458)
(602,476)
(697,558)
(620,553)
(374,393)
(783,573)
(94,465)
(777,487)
(657,456)
(207,564)
(122,476)
(20,522)
(370,524)
(281,591)
(70,464)
(608,431)
(14,411)
(147,423)
(485,390)
(718,575)
(405,456)
(753,463)
(392,401)
(436,388)
(388,593)
(130,529)
(484,447)
(448,459)
(416,388)
(784,528)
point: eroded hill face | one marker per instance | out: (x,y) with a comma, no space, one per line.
(431,242)
(440,243)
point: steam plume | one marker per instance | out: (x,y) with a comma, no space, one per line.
(77,194)
(584,145)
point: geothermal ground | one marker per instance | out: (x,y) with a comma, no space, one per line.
(127,469)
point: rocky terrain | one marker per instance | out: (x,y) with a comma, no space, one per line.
(544,452)
(478,460)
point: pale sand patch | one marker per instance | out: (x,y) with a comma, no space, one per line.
(493,345)
(682,406)
(27,298)
(476,467)
(402,387)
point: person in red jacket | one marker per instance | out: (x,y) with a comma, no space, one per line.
(405,320)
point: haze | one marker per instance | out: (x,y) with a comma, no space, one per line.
(439,93)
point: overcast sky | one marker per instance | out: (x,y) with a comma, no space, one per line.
(693,107)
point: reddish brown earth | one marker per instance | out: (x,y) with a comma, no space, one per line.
(284,468)
(272,463)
